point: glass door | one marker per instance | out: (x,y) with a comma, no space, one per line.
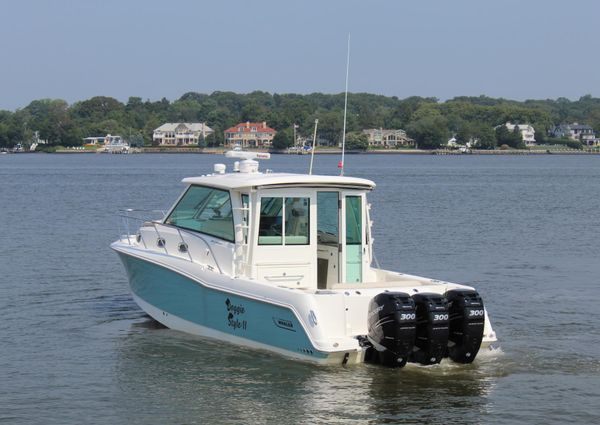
(354,238)
(328,239)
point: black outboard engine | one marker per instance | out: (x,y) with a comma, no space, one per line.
(467,319)
(391,327)
(431,340)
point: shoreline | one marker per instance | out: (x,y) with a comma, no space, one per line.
(221,151)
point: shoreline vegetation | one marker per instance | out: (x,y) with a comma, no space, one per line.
(53,125)
(222,150)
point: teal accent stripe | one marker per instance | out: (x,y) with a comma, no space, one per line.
(233,314)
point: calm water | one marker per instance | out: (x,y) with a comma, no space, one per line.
(74,348)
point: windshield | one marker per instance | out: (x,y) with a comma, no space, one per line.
(206,210)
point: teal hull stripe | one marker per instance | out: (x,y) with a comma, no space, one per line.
(233,314)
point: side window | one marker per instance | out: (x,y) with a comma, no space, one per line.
(297,221)
(271,221)
(353,220)
(327,218)
(205,210)
(284,221)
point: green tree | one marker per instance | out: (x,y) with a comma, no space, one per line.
(210,141)
(510,138)
(51,119)
(98,108)
(152,123)
(357,141)
(465,133)
(429,128)
(134,138)
(427,120)
(283,139)
(484,136)
(4,135)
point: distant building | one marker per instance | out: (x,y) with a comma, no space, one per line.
(250,135)
(453,143)
(582,132)
(527,132)
(382,138)
(93,140)
(103,140)
(181,133)
(321,141)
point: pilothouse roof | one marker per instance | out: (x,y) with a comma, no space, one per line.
(246,180)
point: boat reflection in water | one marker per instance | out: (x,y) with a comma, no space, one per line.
(182,378)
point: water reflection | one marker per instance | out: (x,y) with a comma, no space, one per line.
(181,378)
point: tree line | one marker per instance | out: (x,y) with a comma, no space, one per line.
(427,120)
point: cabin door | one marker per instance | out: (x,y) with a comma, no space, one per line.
(353,237)
(329,243)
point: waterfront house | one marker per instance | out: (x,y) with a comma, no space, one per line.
(321,141)
(93,140)
(526,130)
(384,138)
(103,140)
(181,134)
(250,135)
(452,143)
(582,132)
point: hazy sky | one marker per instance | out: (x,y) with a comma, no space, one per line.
(515,49)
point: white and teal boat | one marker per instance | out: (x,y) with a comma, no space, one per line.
(283,263)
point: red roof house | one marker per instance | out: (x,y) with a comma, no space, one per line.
(249,134)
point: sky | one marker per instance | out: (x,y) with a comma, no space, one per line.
(73,50)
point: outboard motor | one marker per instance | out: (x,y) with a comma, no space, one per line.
(391,328)
(431,340)
(467,319)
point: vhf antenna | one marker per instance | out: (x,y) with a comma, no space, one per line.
(341,164)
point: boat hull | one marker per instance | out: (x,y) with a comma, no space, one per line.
(187,305)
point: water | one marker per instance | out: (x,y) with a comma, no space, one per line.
(74,348)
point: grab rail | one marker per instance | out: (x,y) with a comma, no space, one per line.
(134,214)
(127,214)
(196,235)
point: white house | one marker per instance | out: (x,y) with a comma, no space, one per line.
(181,133)
(527,132)
(380,137)
(93,140)
(103,140)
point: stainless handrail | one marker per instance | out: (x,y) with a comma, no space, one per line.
(199,236)
(187,248)
(126,215)
(163,244)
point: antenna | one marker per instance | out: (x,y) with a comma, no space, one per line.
(312,151)
(341,164)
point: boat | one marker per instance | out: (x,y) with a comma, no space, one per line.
(119,147)
(285,263)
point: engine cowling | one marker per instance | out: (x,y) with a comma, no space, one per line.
(466,323)
(432,329)
(391,328)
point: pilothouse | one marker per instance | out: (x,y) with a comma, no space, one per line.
(284,262)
